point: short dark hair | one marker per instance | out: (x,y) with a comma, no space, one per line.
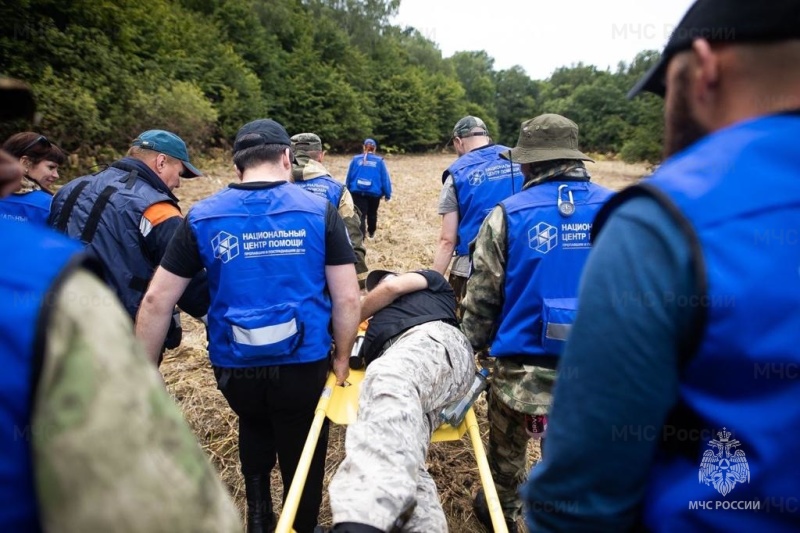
(257,155)
(36,146)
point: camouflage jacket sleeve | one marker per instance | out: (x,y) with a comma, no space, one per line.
(352,221)
(484,300)
(111,448)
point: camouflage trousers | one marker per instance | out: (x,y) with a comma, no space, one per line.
(459,284)
(427,367)
(507,453)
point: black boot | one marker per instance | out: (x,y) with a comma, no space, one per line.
(481,510)
(260,518)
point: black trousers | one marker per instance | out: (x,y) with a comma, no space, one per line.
(275,405)
(368,205)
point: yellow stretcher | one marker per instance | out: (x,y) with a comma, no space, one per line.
(340,405)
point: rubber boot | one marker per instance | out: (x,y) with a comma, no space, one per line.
(260,517)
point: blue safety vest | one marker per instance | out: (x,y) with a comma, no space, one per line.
(114,201)
(730,460)
(366,176)
(264,250)
(35,258)
(33,206)
(545,255)
(324,186)
(482,179)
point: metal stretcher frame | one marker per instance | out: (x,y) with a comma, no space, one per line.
(340,405)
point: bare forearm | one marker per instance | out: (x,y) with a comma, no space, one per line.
(380,297)
(444,254)
(345,328)
(152,324)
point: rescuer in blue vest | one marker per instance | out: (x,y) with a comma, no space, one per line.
(309,173)
(40,159)
(522,295)
(682,407)
(281,277)
(126,214)
(368,180)
(92,441)
(476,182)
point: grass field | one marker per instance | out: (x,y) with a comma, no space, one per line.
(408,228)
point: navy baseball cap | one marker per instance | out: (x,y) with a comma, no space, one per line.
(370,142)
(260,132)
(724,21)
(169,144)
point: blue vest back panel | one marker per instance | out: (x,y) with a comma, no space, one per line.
(324,186)
(264,250)
(118,242)
(739,189)
(26,277)
(482,180)
(33,207)
(545,256)
(364,175)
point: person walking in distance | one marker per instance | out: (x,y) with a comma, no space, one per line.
(368,180)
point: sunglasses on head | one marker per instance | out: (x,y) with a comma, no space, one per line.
(40,139)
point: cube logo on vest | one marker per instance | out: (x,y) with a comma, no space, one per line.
(226,246)
(722,467)
(477,178)
(543,237)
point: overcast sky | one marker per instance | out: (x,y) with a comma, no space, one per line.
(541,36)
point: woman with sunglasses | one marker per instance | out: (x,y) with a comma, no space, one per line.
(40,160)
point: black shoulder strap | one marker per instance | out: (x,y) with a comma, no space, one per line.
(97,211)
(69,205)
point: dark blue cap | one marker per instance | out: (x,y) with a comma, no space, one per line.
(370,142)
(259,132)
(724,21)
(169,144)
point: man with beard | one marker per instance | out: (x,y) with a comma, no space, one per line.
(680,411)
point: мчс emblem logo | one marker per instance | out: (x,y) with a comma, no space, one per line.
(724,468)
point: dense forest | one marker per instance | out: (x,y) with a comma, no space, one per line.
(103,71)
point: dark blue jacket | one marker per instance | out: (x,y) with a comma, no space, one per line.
(114,201)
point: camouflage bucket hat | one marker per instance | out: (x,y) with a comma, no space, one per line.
(306,142)
(546,138)
(464,127)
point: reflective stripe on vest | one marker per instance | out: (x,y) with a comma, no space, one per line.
(264,251)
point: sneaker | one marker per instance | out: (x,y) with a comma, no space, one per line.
(371,236)
(481,510)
